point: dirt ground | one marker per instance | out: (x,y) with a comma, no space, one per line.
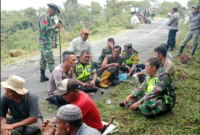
(144,39)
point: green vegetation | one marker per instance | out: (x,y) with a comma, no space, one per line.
(19,28)
(184,118)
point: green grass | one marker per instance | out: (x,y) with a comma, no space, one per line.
(184,118)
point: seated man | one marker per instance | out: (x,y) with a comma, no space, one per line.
(61,72)
(26,117)
(85,72)
(107,50)
(69,121)
(168,55)
(166,64)
(81,43)
(110,68)
(70,89)
(156,94)
(131,58)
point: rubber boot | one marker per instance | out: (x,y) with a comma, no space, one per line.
(107,82)
(104,77)
(43,77)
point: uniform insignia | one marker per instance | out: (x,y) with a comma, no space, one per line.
(79,70)
(88,69)
(45,22)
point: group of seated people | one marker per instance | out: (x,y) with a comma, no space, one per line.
(20,113)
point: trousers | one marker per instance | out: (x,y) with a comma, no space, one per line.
(172,38)
(190,35)
(47,57)
(31,129)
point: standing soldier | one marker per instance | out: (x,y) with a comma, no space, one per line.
(45,30)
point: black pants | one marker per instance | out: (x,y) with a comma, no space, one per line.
(57,100)
(172,38)
(125,70)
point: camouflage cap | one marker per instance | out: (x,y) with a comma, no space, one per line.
(54,6)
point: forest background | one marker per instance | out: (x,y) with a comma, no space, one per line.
(19,29)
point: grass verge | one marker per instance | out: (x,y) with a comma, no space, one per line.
(184,118)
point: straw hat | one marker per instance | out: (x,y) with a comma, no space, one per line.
(16,84)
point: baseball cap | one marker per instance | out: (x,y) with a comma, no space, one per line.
(196,6)
(85,31)
(68,84)
(127,46)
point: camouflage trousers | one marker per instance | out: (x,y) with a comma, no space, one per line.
(47,57)
(150,107)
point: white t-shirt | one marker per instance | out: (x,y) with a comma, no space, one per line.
(132,9)
(137,9)
(78,45)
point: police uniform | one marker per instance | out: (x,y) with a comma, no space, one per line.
(84,73)
(132,60)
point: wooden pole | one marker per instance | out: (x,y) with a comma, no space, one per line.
(60,45)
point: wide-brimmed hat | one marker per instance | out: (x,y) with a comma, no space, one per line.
(16,84)
(54,6)
(68,84)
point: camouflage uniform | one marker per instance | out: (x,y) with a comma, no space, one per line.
(105,51)
(155,101)
(46,29)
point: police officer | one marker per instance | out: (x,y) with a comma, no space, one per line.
(85,72)
(131,58)
(46,29)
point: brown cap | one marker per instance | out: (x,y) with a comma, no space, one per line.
(85,31)
(68,84)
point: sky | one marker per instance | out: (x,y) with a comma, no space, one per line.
(22,4)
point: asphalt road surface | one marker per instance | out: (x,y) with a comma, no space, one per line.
(144,39)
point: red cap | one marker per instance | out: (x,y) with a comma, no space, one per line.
(85,31)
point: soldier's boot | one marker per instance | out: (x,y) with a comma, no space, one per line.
(107,82)
(43,77)
(180,51)
(104,77)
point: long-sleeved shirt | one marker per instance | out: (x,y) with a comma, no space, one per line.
(162,88)
(174,21)
(105,51)
(45,30)
(194,21)
(57,76)
(78,45)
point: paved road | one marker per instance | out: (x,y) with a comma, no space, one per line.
(144,39)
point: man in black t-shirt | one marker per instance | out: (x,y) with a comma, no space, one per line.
(110,68)
(26,117)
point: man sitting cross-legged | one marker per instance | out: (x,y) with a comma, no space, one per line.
(61,72)
(155,95)
(110,68)
(68,122)
(131,58)
(26,117)
(85,72)
(70,89)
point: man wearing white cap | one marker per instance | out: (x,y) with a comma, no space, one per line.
(26,117)
(68,122)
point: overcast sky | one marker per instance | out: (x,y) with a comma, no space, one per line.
(22,4)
